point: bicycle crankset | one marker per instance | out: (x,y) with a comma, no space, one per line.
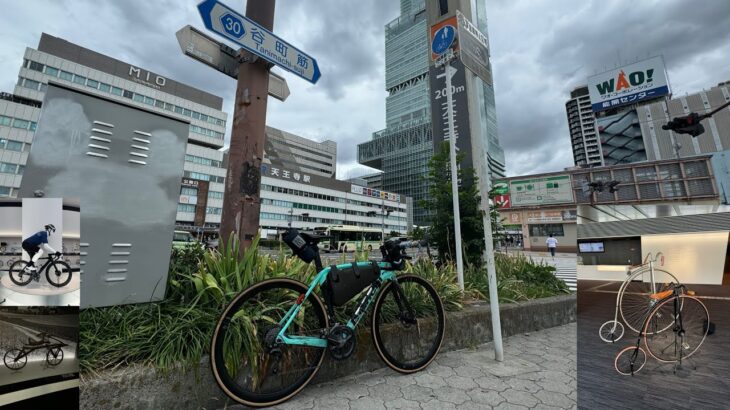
(342,342)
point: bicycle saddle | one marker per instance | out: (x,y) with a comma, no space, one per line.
(661,295)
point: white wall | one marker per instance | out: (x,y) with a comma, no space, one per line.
(696,258)
(38,212)
(71,224)
(10,221)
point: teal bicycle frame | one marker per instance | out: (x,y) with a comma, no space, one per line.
(386,274)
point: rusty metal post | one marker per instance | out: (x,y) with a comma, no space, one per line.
(241,203)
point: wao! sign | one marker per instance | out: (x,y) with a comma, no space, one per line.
(630,84)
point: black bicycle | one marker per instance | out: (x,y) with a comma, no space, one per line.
(57,271)
(15,359)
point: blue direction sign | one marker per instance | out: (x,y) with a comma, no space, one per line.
(226,22)
(443,39)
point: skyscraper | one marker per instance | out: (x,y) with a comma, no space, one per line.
(403,149)
(582,127)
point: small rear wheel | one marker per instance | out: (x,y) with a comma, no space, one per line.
(15,359)
(408,324)
(630,360)
(18,274)
(248,362)
(54,356)
(611,331)
(59,274)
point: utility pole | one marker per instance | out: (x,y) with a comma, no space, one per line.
(241,203)
(449,72)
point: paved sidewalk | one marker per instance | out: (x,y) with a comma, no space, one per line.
(539,372)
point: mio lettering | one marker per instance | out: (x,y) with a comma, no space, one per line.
(622,81)
(137,72)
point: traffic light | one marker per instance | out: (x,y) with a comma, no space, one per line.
(689,124)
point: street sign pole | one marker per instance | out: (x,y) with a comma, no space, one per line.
(449,72)
(241,203)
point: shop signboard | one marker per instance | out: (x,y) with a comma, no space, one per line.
(629,84)
(502,201)
(541,191)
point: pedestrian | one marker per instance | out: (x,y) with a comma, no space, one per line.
(552,243)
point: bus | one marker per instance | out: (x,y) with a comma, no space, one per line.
(350,238)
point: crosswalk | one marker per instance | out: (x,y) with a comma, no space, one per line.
(565,269)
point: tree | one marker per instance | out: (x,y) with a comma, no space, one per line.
(439,203)
(418,233)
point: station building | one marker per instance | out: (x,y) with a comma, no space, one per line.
(77,67)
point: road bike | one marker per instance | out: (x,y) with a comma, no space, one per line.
(16,359)
(634,297)
(271,339)
(685,315)
(57,271)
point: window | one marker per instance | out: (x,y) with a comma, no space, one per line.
(138,97)
(53,72)
(169,107)
(7,168)
(216,194)
(92,83)
(128,94)
(4,191)
(33,125)
(33,85)
(36,66)
(117,91)
(546,230)
(188,191)
(196,115)
(186,112)
(22,124)
(149,101)
(14,146)
(21,168)
(178,109)
(65,75)
(213,210)
(203,117)
(186,208)
(79,79)
(159,104)
(104,87)
(5,121)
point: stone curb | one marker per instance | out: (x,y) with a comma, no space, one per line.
(141,387)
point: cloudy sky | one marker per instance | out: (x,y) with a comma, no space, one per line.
(540,49)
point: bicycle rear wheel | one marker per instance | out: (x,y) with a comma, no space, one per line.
(634,301)
(18,274)
(630,360)
(15,359)
(408,324)
(247,362)
(54,356)
(675,344)
(59,274)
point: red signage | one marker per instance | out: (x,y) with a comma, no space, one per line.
(502,201)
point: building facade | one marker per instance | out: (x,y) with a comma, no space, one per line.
(77,67)
(583,130)
(293,151)
(662,144)
(402,150)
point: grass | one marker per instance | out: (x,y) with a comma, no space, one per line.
(177,331)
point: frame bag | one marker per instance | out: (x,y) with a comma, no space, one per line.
(344,284)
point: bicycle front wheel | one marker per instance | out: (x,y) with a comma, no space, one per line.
(687,320)
(408,324)
(18,274)
(249,365)
(59,274)
(634,301)
(15,359)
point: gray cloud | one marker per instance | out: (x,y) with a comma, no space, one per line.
(540,51)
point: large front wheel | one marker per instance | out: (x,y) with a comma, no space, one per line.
(248,362)
(408,324)
(59,274)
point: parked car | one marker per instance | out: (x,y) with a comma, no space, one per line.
(182,240)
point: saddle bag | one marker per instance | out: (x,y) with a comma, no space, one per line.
(299,245)
(344,284)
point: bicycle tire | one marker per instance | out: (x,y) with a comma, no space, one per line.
(379,323)
(621,363)
(612,335)
(695,328)
(633,310)
(64,268)
(18,269)
(56,359)
(11,361)
(227,382)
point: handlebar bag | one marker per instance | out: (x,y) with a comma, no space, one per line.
(299,245)
(344,284)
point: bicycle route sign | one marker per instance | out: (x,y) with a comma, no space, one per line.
(237,28)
